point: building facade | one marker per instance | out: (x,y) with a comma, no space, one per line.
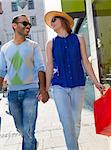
(34,9)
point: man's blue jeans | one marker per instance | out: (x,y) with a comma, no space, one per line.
(23,106)
(69,102)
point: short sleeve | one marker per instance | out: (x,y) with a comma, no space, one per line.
(38,59)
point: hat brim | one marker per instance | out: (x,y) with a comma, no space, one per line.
(48,17)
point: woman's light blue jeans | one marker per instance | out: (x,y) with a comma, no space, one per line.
(69,103)
(23,106)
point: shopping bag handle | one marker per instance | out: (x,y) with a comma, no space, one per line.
(105,90)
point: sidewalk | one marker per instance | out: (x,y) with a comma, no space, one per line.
(49,130)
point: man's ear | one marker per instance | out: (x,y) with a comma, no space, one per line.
(14,25)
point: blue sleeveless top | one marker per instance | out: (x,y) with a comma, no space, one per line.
(68,70)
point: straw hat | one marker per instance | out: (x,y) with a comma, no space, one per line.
(48,17)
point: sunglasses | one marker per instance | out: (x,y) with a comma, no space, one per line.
(55,18)
(25,23)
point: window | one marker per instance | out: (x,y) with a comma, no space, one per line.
(33,20)
(30,4)
(1,11)
(102,20)
(22,3)
(14,6)
(0,44)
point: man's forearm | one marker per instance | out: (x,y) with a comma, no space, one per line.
(43,95)
(42,80)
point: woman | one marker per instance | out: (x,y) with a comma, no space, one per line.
(65,55)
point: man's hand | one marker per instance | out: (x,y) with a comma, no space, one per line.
(1,83)
(43,96)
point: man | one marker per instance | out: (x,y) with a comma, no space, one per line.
(22,61)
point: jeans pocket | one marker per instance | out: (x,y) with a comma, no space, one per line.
(82,87)
(32,93)
(12,96)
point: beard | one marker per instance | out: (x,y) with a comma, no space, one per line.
(23,33)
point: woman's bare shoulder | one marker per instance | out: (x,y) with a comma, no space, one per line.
(81,38)
(49,44)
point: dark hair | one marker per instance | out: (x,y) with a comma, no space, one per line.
(15,18)
(66,25)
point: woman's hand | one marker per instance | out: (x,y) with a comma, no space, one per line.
(100,87)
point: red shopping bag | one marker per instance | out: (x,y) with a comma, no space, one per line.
(102,114)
